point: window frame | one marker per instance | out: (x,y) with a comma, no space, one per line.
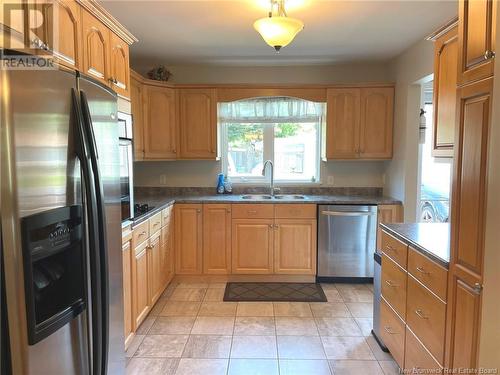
(268,154)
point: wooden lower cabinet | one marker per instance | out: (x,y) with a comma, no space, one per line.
(167,247)
(154,268)
(392,330)
(295,246)
(128,324)
(188,239)
(252,246)
(140,281)
(387,213)
(393,285)
(417,358)
(217,239)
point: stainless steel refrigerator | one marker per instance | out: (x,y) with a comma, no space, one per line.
(60,225)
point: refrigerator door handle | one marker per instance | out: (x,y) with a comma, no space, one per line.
(103,253)
(94,242)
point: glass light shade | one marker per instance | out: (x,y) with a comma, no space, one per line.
(278,31)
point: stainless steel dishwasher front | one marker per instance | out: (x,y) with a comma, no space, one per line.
(346,242)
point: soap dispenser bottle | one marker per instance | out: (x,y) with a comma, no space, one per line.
(220,183)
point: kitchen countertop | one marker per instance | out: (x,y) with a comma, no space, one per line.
(430,239)
(160,203)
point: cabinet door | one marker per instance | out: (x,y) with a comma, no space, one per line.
(342,133)
(119,70)
(167,248)
(295,246)
(137,104)
(160,141)
(12,17)
(66,44)
(154,264)
(95,47)
(445,93)
(140,283)
(468,223)
(388,213)
(377,112)
(198,123)
(188,239)
(476,35)
(252,246)
(217,238)
(128,324)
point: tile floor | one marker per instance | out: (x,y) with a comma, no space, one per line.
(190,331)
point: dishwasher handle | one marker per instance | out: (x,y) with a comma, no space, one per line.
(347,213)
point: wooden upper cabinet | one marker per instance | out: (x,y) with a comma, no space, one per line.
(445,93)
(137,106)
(217,239)
(252,246)
(342,133)
(359,123)
(188,239)
(198,123)
(95,47)
(476,33)
(14,27)
(160,125)
(119,71)
(67,43)
(295,246)
(377,113)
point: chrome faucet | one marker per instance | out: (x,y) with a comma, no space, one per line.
(271,185)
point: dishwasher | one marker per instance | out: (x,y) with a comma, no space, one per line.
(347,236)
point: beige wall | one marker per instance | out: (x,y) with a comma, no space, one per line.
(203,173)
(489,348)
(311,74)
(408,69)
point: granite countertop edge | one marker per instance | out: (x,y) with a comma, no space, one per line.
(415,244)
(160,203)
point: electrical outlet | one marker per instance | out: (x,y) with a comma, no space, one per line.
(330,180)
(163,179)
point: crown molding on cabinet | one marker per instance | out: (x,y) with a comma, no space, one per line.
(111,22)
(443,29)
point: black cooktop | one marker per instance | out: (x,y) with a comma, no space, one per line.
(141,209)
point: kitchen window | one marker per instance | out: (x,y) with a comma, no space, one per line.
(285,130)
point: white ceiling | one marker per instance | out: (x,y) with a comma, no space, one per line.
(221,32)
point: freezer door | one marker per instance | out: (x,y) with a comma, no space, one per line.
(346,241)
(39,174)
(101,104)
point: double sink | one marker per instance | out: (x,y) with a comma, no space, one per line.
(268,196)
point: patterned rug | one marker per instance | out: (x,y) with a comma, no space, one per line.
(276,292)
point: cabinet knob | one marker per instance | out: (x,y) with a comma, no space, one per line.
(489,55)
(228,210)
(174,151)
(420,314)
(270,226)
(276,226)
(198,210)
(478,288)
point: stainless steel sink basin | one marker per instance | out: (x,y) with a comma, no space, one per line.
(256,196)
(290,197)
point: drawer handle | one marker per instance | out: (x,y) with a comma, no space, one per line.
(390,331)
(420,314)
(155,224)
(391,284)
(421,270)
(142,233)
(252,212)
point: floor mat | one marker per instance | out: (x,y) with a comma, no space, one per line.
(276,292)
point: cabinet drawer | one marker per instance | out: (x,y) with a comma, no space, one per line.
(126,234)
(417,357)
(426,317)
(432,275)
(392,330)
(250,211)
(394,249)
(394,285)
(295,211)
(166,215)
(141,233)
(155,223)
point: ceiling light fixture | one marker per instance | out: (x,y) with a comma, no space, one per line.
(277,29)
